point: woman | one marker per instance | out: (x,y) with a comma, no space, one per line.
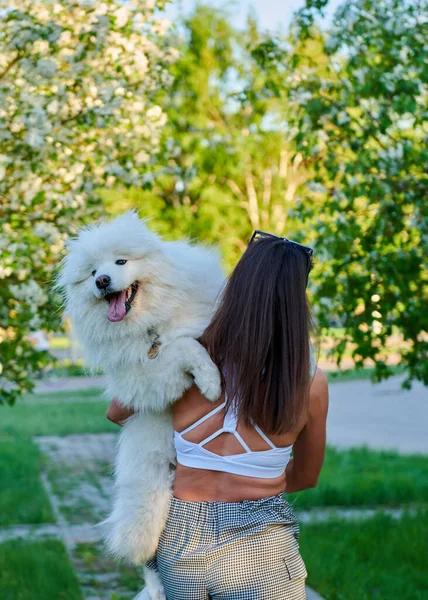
(231,535)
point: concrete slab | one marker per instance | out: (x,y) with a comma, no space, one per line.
(382,416)
(66,384)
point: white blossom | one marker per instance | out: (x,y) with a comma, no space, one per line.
(46,68)
(75,115)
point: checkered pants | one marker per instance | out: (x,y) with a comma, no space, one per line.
(231,551)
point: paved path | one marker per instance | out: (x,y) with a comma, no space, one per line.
(67,384)
(382,416)
(70,533)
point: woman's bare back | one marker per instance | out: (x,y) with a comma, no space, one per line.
(215,486)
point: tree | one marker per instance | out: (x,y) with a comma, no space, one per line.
(226,164)
(77,108)
(363,122)
(320,136)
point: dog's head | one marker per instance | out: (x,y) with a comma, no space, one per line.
(112,270)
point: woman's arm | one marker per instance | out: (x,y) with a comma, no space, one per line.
(117,413)
(309,448)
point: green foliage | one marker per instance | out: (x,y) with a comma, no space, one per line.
(77,112)
(371,559)
(320,136)
(363,123)
(226,165)
(305,18)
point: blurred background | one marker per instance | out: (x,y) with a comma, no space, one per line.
(305,119)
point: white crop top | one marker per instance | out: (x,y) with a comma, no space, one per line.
(265,464)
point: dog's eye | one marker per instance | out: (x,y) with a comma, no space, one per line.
(121,261)
(93,273)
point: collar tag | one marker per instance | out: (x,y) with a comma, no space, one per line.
(154,349)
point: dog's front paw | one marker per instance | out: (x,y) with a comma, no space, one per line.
(208,380)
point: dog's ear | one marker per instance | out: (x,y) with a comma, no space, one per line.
(61,278)
(132,214)
(129,216)
(73,267)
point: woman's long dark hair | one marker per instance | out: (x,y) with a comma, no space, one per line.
(259,336)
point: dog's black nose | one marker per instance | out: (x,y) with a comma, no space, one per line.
(102,282)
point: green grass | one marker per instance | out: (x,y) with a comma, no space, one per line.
(65,369)
(375,559)
(38,570)
(69,368)
(22,496)
(362,477)
(59,343)
(359,374)
(345,560)
(57,418)
(91,393)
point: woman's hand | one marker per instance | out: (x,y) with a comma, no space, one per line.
(117,413)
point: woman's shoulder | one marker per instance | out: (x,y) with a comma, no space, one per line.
(319,379)
(318,393)
(191,407)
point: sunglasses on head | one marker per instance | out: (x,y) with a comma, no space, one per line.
(260,235)
(264,234)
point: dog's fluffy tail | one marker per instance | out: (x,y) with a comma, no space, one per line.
(142,488)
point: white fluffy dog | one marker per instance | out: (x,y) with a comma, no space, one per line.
(138,304)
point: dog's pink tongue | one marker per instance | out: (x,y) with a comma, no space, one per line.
(117,308)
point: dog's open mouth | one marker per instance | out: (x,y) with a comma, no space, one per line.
(120,302)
